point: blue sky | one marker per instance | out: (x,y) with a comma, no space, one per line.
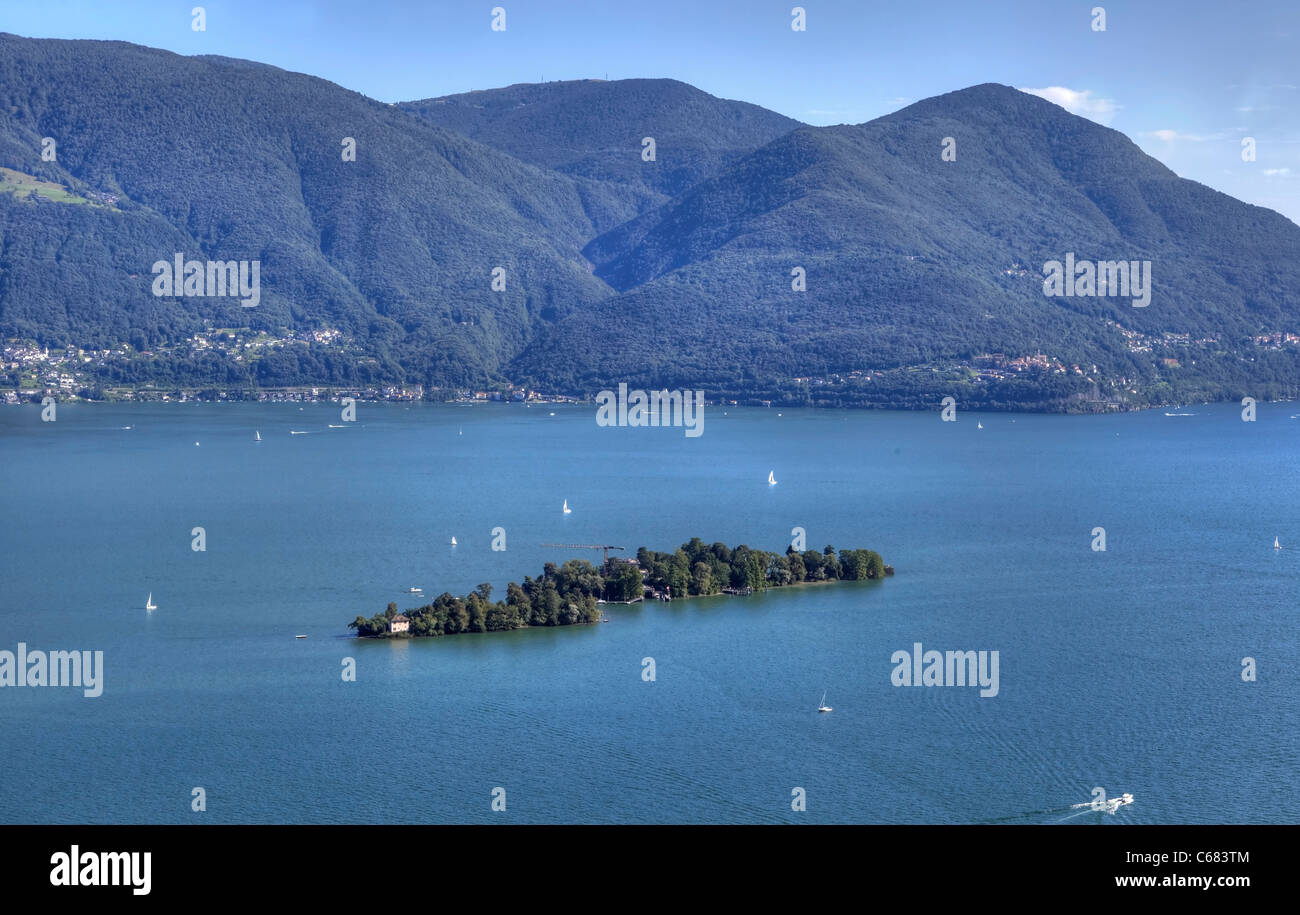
(1185,80)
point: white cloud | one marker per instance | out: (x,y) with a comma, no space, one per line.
(1277,172)
(1080,102)
(1176,136)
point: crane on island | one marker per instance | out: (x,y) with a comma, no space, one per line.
(604,548)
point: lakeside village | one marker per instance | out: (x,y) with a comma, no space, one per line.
(571,594)
(30,372)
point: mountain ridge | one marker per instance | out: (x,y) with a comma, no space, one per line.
(877,200)
(615,268)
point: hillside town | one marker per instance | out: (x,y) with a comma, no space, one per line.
(30,372)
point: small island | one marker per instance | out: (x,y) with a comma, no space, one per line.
(571,593)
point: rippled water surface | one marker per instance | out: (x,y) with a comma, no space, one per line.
(1119,669)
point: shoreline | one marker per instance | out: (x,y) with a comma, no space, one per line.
(645,601)
(180,396)
(566,595)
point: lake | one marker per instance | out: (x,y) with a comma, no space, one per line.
(1119,669)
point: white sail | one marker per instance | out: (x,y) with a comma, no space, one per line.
(1276,544)
(771,478)
(149,604)
(453,541)
(567,510)
(258,435)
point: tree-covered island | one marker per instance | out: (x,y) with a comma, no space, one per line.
(571,593)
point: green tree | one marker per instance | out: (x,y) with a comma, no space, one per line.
(577,577)
(476,610)
(547,608)
(702,579)
(830,564)
(519,608)
(778,571)
(626,584)
(679,574)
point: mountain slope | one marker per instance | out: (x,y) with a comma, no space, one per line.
(919,271)
(225,159)
(907,256)
(592,129)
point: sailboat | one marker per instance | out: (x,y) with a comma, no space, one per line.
(979,425)
(567,510)
(771,478)
(149,604)
(257,436)
(453,541)
(1276,545)
(823,707)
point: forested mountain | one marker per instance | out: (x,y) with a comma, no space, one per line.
(224,159)
(911,259)
(594,129)
(675,272)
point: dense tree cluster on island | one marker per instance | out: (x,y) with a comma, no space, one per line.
(568,594)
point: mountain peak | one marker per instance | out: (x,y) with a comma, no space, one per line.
(984,98)
(594,129)
(686,268)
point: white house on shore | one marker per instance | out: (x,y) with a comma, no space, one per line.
(399,623)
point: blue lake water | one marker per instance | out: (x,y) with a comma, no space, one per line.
(1119,669)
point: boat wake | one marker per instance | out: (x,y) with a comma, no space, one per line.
(1098,806)
(1108,805)
(1021,817)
